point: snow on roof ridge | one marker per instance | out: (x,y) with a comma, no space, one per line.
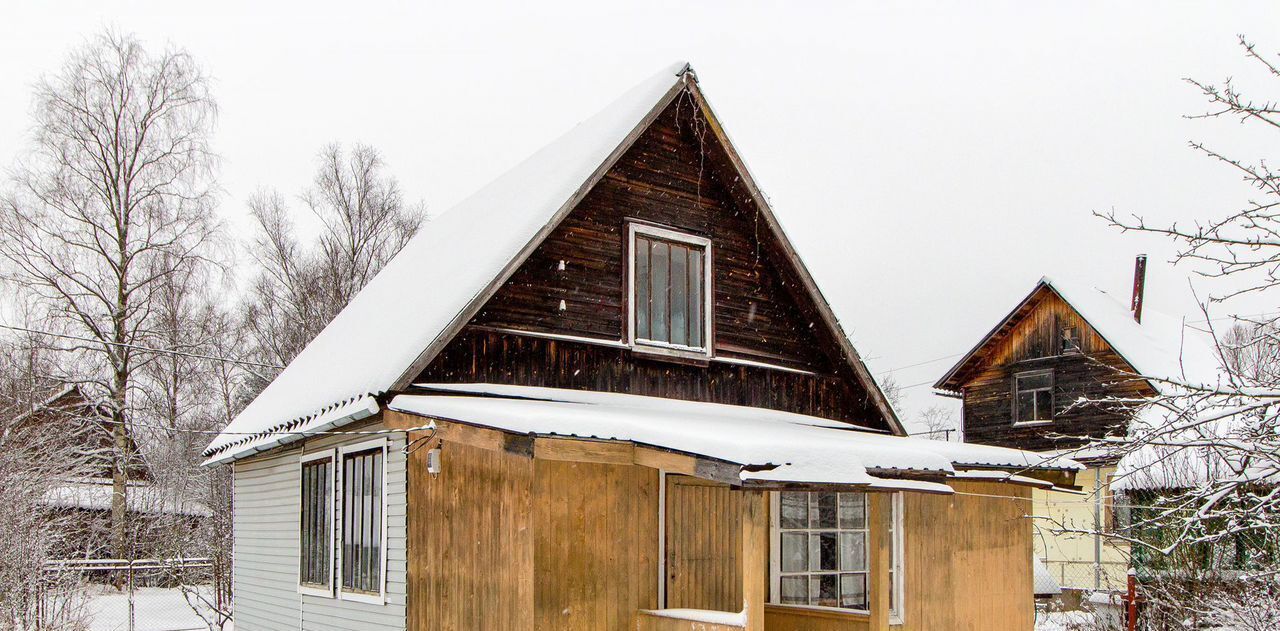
(1161,347)
(386,326)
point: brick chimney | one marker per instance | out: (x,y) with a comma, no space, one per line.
(1139,284)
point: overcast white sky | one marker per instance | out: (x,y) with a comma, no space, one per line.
(930,160)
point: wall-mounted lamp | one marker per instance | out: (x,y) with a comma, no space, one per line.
(433,462)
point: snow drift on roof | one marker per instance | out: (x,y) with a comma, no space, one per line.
(143,497)
(425,289)
(1161,347)
(772,446)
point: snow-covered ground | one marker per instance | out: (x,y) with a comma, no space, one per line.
(1064,621)
(155,609)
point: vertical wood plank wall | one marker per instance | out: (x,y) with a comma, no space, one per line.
(704,540)
(596,544)
(503,541)
(471,541)
(968,559)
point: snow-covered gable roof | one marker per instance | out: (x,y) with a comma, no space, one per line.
(770,445)
(416,304)
(143,497)
(1161,347)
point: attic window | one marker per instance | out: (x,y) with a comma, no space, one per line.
(1070,340)
(670,283)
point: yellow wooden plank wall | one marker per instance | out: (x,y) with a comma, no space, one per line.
(704,543)
(968,559)
(596,544)
(471,541)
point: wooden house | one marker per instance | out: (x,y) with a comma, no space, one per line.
(604,393)
(82,499)
(1065,367)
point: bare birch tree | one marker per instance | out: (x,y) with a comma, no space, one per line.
(300,287)
(1211,446)
(112,196)
(939,422)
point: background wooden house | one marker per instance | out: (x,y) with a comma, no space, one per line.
(1068,365)
(604,393)
(82,499)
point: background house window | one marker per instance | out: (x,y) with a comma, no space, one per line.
(1033,397)
(1070,340)
(669,283)
(315,565)
(822,556)
(362,515)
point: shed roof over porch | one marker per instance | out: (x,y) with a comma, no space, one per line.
(766,448)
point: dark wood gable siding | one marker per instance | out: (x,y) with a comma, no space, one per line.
(675,176)
(662,180)
(1033,344)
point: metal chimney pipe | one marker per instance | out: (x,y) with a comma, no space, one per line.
(1139,286)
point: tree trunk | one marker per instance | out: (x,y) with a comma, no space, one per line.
(119,473)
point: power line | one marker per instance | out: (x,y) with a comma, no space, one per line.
(148,349)
(927,361)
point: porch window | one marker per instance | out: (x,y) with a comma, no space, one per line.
(670,299)
(1033,397)
(362,527)
(822,550)
(315,565)
(820,559)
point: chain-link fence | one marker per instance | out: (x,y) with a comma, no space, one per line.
(134,595)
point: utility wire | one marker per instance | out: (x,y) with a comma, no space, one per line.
(148,349)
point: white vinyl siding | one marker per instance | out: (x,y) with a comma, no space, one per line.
(267,540)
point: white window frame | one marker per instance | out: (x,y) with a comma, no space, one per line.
(775,554)
(708,316)
(897,609)
(1017,421)
(332,454)
(361,597)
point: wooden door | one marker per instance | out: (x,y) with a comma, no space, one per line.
(703,545)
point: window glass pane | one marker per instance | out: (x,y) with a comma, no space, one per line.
(795,552)
(853,551)
(696,324)
(823,551)
(669,292)
(853,591)
(312,519)
(660,270)
(1070,340)
(822,510)
(679,295)
(362,521)
(642,288)
(1044,405)
(823,589)
(853,510)
(795,590)
(1026,406)
(824,543)
(1033,382)
(794,510)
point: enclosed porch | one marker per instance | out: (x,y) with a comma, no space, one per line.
(526,521)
